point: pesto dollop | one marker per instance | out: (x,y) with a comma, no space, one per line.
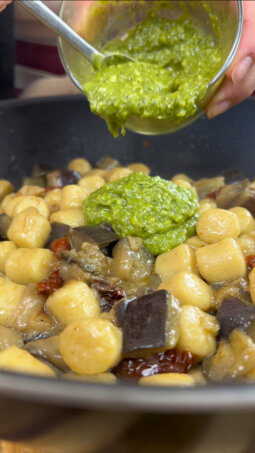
(174,62)
(161,213)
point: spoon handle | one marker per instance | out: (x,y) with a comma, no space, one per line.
(59,27)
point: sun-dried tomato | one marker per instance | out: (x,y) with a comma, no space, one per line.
(250,260)
(59,245)
(49,286)
(171,361)
(109,294)
(213,195)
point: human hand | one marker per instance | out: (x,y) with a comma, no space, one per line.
(89,18)
(3,4)
(240,77)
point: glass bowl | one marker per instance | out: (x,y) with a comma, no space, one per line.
(101,21)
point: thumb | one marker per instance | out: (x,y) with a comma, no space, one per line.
(240,77)
(245,57)
(3,4)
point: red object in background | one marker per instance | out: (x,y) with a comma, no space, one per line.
(39,56)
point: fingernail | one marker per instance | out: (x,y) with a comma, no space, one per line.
(219,97)
(240,72)
(218,108)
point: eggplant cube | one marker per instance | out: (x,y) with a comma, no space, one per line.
(101,235)
(41,170)
(58,230)
(5,222)
(120,309)
(247,200)
(145,322)
(61,178)
(233,176)
(235,314)
(107,163)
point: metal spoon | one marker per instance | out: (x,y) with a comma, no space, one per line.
(58,26)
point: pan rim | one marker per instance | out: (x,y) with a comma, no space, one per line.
(127,397)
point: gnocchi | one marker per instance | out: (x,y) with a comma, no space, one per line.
(80,301)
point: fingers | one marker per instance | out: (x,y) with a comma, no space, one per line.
(231,94)
(3,4)
(89,18)
(245,56)
(240,78)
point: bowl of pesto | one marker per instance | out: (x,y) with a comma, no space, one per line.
(181,51)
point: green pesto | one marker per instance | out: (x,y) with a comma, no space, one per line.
(174,62)
(161,213)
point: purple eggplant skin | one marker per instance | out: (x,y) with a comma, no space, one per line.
(107,163)
(58,230)
(101,235)
(145,322)
(233,176)
(5,222)
(234,314)
(237,194)
(230,194)
(42,170)
(120,309)
(247,200)
(61,178)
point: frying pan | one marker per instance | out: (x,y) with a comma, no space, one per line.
(54,131)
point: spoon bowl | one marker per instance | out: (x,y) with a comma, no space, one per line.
(110,59)
(101,22)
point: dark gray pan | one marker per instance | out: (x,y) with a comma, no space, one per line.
(53,131)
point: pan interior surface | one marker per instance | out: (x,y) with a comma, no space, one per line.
(56,130)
